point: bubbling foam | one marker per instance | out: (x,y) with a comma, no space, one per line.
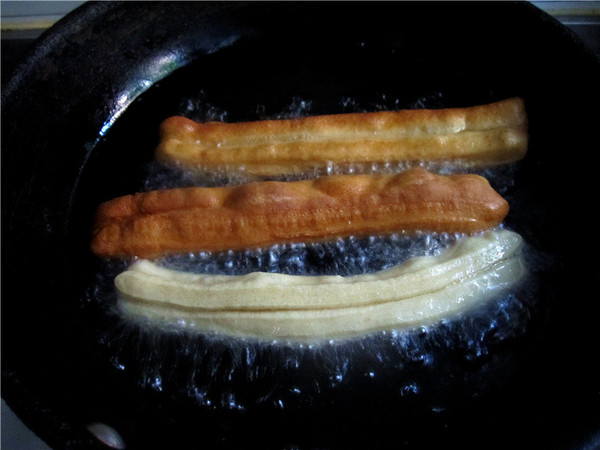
(217,372)
(420,365)
(342,256)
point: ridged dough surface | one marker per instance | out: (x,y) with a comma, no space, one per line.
(479,136)
(270,305)
(264,213)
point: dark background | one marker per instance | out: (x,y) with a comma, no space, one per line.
(15,46)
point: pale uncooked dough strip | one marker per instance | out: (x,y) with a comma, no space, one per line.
(481,135)
(268,305)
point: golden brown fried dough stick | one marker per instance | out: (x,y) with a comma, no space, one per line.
(269,212)
(478,136)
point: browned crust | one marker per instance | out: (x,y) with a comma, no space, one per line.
(480,135)
(264,213)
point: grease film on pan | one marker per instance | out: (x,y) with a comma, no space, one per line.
(241,374)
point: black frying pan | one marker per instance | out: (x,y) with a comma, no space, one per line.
(79,121)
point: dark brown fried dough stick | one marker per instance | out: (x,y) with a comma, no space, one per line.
(260,214)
